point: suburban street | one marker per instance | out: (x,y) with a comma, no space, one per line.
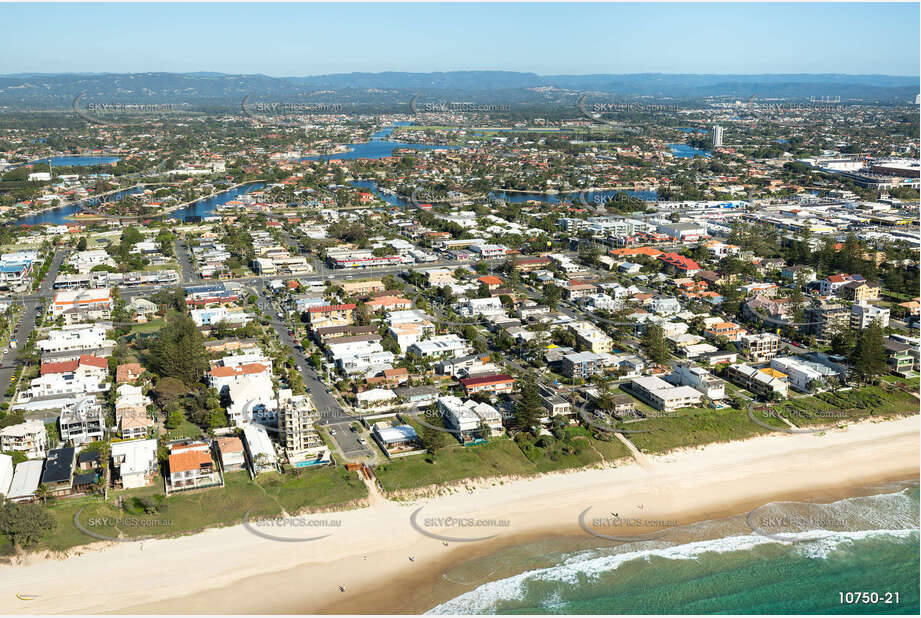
(27,322)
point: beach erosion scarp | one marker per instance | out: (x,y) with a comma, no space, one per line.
(377,561)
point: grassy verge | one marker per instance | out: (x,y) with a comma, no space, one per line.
(853,405)
(147,512)
(694,427)
(499,457)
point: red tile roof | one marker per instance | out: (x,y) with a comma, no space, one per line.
(248,369)
(501,378)
(331,308)
(679,261)
(188,460)
(62,367)
(128,372)
(94,361)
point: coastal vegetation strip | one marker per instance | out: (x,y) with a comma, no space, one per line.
(150,513)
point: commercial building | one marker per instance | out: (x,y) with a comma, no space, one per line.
(87,305)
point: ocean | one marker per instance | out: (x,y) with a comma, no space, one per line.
(783,558)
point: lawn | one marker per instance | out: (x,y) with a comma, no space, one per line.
(695,427)
(150,327)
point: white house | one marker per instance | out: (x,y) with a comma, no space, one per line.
(29,438)
(134,462)
(469,417)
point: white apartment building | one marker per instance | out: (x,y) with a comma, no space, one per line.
(482,306)
(663,396)
(82,421)
(760,347)
(700,379)
(297,434)
(864,314)
(75,338)
(84,261)
(440,346)
(29,438)
(593,337)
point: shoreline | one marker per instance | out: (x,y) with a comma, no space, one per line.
(240,572)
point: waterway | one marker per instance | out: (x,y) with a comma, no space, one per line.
(201,208)
(76,161)
(684,151)
(207,206)
(377,147)
(515,198)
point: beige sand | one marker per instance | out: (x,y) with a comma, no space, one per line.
(231,570)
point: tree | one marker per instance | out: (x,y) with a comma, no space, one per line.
(552,295)
(655,345)
(869,355)
(81,244)
(529,406)
(174,418)
(25,524)
(179,351)
(168,389)
(432,439)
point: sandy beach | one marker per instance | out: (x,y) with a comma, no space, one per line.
(368,551)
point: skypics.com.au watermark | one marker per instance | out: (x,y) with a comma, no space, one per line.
(95,113)
(273,528)
(260,109)
(615,527)
(448,525)
(794,527)
(596,112)
(296,108)
(790,415)
(417,107)
(105,528)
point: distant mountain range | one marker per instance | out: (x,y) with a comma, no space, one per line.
(202,90)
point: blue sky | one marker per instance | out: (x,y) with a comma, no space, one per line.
(311,39)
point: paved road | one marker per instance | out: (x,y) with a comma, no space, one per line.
(348,441)
(189,273)
(27,323)
(327,405)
